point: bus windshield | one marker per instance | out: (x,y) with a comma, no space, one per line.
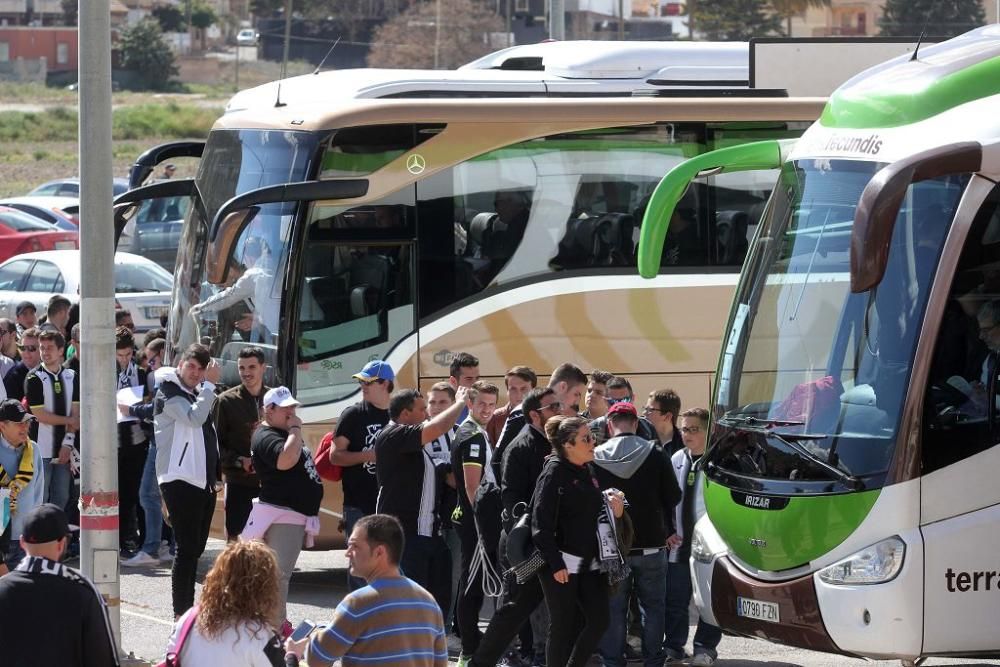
(247,308)
(813,377)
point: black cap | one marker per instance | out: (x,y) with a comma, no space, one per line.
(24,305)
(11,410)
(45,523)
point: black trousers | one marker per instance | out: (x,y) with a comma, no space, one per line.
(508,620)
(586,593)
(131,462)
(427,561)
(470,589)
(239,502)
(190,511)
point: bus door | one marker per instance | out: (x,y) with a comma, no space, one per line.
(356,296)
(960,496)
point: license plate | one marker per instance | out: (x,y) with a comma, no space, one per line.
(155,312)
(65,245)
(757,609)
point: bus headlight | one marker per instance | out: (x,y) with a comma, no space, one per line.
(876,564)
(700,550)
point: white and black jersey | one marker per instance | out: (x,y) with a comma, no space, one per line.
(440,449)
(55,393)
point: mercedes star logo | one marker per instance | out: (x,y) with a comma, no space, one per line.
(415,164)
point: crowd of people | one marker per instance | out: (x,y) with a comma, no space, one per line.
(571,503)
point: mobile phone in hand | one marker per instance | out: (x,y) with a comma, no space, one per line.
(301,632)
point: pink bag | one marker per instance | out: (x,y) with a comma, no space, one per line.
(173,659)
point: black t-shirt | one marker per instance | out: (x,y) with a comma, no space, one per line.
(361,424)
(299,488)
(406,477)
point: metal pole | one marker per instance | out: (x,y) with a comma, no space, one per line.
(690,10)
(99,466)
(557,15)
(437,33)
(510,7)
(621,20)
(288,38)
(237,85)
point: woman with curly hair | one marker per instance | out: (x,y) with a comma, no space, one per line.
(233,626)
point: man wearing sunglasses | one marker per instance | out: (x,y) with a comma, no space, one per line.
(619,390)
(354,444)
(30,360)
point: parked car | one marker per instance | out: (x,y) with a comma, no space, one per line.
(54,216)
(62,205)
(246,37)
(155,230)
(141,286)
(70,187)
(21,233)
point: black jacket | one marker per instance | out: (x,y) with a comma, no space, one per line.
(76,631)
(522,465)
(638,468)
(565,509)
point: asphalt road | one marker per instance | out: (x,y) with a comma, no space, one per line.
(319,583)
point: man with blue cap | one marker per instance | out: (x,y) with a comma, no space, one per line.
(354,444)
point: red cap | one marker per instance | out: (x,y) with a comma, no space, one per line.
(623,407)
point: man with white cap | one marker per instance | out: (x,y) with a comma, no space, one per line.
(354,444)
(290,488)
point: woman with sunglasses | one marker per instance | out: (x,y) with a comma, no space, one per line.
(567,506)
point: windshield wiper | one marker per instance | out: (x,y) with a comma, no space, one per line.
(845,478)
(765,428)
(766,423)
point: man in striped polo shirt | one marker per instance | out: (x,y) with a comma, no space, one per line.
(392,618)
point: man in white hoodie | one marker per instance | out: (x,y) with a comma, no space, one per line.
(187,461)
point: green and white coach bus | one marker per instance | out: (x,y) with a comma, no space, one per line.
(850,484)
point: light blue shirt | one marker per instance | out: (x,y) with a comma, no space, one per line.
(33,494)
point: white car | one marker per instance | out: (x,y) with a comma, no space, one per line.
(141,285)
(246,37)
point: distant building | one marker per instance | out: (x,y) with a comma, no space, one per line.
(58,46)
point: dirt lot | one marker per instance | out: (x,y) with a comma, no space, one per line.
(26,165)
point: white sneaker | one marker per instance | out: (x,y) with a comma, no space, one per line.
(141,559)
(164,555)
(702,660)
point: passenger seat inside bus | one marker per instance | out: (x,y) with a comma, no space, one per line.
(731,237)
(604,240)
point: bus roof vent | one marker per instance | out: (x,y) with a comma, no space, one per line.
(686,75)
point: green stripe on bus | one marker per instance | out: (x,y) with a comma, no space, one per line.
(900,100)
(772,540)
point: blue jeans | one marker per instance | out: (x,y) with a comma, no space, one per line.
(351,517)
(58,479)
(679,590)
(649,577)
(149,500)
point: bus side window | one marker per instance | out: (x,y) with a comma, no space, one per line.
(964,377)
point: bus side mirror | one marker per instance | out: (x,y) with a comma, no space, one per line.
(145,163)
(660,209)
(236,214)
(127,203)
(878,208)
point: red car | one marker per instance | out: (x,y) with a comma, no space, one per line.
(20,232)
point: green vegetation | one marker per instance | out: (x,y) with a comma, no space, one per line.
(736,20)
(170,120)
(935,18)
(143,50)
